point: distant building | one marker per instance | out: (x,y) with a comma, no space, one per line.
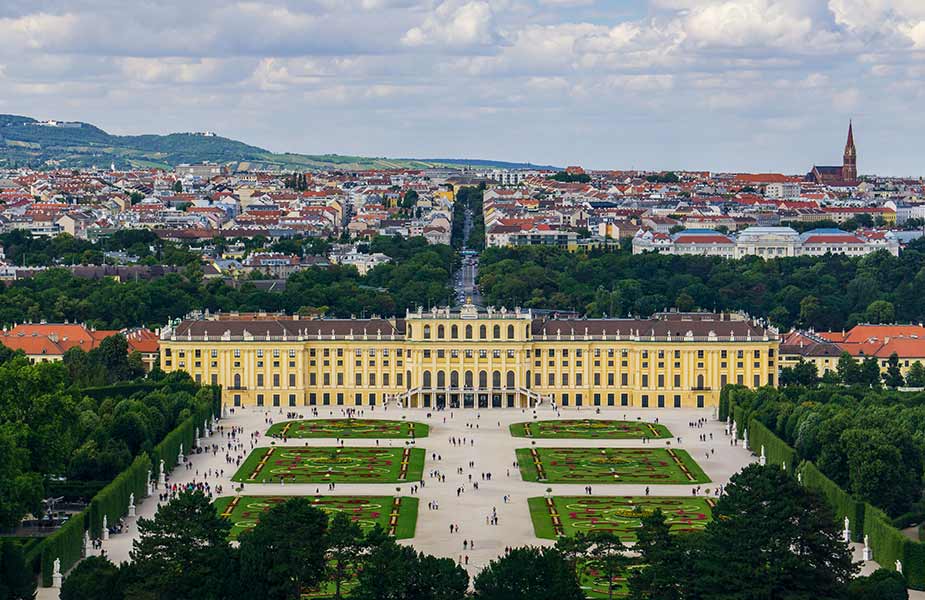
(824,348)
(843,176)
(47,342)
(766,242)
(201,170)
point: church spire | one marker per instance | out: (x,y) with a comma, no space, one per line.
(850,162)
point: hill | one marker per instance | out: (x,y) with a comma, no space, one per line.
(26,142)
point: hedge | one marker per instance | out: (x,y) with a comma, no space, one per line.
(113,500)
(888,545)
(185,432)
(842,502)
(776,450)
(66,544)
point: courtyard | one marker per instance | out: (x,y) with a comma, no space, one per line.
(462,447)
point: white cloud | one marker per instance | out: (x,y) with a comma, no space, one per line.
(456,25)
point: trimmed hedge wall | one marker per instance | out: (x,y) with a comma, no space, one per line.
(888,545)
(842,502)
(112,501)
(776,450)
(65,544)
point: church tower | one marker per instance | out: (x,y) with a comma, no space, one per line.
(849,167)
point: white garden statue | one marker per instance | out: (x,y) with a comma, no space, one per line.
(846,534)
(745,438)
(105,528)
(131,504)
(161,476)
(56,574)
(899,567)
(762,460)
(867,555)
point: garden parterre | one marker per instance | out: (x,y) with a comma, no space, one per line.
(314,464)
(348,428)
(397,515)
(609,465)
(590,429)
(620,515)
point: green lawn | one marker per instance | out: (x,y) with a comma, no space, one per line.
(304,464)
(396,515)
(590,429)
(609,465)
(348,428)
(620,515)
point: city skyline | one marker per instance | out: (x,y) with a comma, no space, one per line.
(734,85)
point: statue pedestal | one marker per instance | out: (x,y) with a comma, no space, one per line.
(105,534)
(846,535)
(161,481)
(131,510)
(867,555)
(56,580)
(148,489)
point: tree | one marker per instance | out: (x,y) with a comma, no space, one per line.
(285,552)
(849,372)
(880,311)
(94,578)
(410,199)
(344,543)
(802,373)
(16,579)
(665,560)
(882,584)
(182,552)
(893,378)
(394,572)
(915,376)
(870,372)
(607,553)
(771,538)
(528,573)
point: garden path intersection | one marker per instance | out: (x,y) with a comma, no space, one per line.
(489,447)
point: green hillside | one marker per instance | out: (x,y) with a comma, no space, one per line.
(26,143)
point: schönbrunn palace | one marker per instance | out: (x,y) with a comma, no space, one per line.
(469,357)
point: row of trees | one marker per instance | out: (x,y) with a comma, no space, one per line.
(868,441)
(53,431)
(826,293)
(22,249)
(418,274)
(769,538)
(848,371)
(470,198)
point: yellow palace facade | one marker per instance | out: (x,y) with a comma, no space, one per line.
(468,358)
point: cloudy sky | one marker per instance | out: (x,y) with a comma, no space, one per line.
(762,85)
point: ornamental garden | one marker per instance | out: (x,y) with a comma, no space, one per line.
(591,429)
(620,515)
(609,465)
(285,464)
(396,515)
(348,428)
